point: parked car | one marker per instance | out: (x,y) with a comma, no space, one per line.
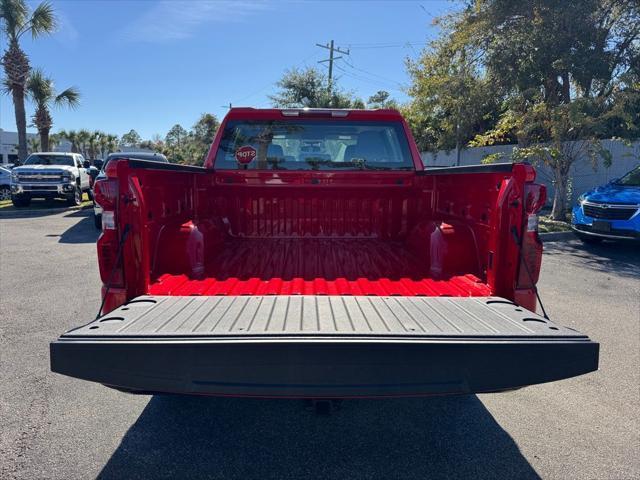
(279,271)
(609,212)
(146,156)
(5,183)
(50,175)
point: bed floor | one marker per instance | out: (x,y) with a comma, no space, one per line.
(270,266)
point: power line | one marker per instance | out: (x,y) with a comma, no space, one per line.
(270,84)
(373,74)
(388,45)
(331,59)
(372,81)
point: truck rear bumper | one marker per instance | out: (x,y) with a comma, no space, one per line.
(225,346)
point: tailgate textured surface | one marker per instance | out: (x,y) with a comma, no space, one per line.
(332,316)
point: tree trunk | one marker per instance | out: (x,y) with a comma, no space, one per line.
(44,140)
(566,88)
(16,69)
(560,195)
(21,123)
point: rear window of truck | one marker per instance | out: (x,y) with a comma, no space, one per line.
(313,145)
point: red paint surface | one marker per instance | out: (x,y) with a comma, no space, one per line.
(317,267)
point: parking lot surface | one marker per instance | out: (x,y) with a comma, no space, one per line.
(57,427)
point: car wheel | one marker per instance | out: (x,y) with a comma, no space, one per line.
(75,198)
(20,200)
(5,193)
(97,220)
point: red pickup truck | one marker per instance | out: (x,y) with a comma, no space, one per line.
(314,256)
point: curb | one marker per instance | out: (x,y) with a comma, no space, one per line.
(557,236)
(41,212)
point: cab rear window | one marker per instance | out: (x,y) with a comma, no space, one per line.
(313,145)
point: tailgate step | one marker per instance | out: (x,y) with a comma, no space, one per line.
(322,346)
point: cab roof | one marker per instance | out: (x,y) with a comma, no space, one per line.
(249,113)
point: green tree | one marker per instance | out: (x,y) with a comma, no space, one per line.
(54,140)
(309,88)
(555,77)
(202,135)
(176,136)
(41,90)
(33,145)
(103,144)
(381,99)
(112,144)
(72,137)
(188,148)
(82,139)
(452,101)
(569,73)
(205,129)
(131,139)
(17,20)
(93,144)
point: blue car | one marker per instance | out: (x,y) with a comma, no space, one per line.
(611,211)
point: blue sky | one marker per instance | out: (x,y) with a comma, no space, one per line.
(151,64)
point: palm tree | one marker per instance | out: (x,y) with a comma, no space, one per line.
(41,90)
(16,20)
(104,144)
(54,140)
(112,143)
(93,142)
(72,137)
(83,138)
(33,145)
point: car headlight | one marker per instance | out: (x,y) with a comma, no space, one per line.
(67,177)
(581,199)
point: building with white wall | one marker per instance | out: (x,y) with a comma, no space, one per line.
(9,145)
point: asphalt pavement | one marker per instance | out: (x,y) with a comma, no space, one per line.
(61,428)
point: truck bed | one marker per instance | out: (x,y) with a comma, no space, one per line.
(321,346)
(317,266)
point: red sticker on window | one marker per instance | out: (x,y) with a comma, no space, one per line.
(245,155)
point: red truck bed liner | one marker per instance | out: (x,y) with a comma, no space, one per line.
(330,266)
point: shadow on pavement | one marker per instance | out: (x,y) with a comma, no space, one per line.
(199,437)
(83,231)
(37,208)
(623,258)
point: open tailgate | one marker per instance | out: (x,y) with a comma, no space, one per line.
(322,346)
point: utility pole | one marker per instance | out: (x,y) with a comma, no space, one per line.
(331,58)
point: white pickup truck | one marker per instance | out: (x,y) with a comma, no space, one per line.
(50,175)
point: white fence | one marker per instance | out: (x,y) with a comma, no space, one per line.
(583,175)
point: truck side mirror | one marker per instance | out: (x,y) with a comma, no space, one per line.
(86,164)
(98,163)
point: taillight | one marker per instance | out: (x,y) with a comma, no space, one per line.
(105,192)
(107,258)
(531,254)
